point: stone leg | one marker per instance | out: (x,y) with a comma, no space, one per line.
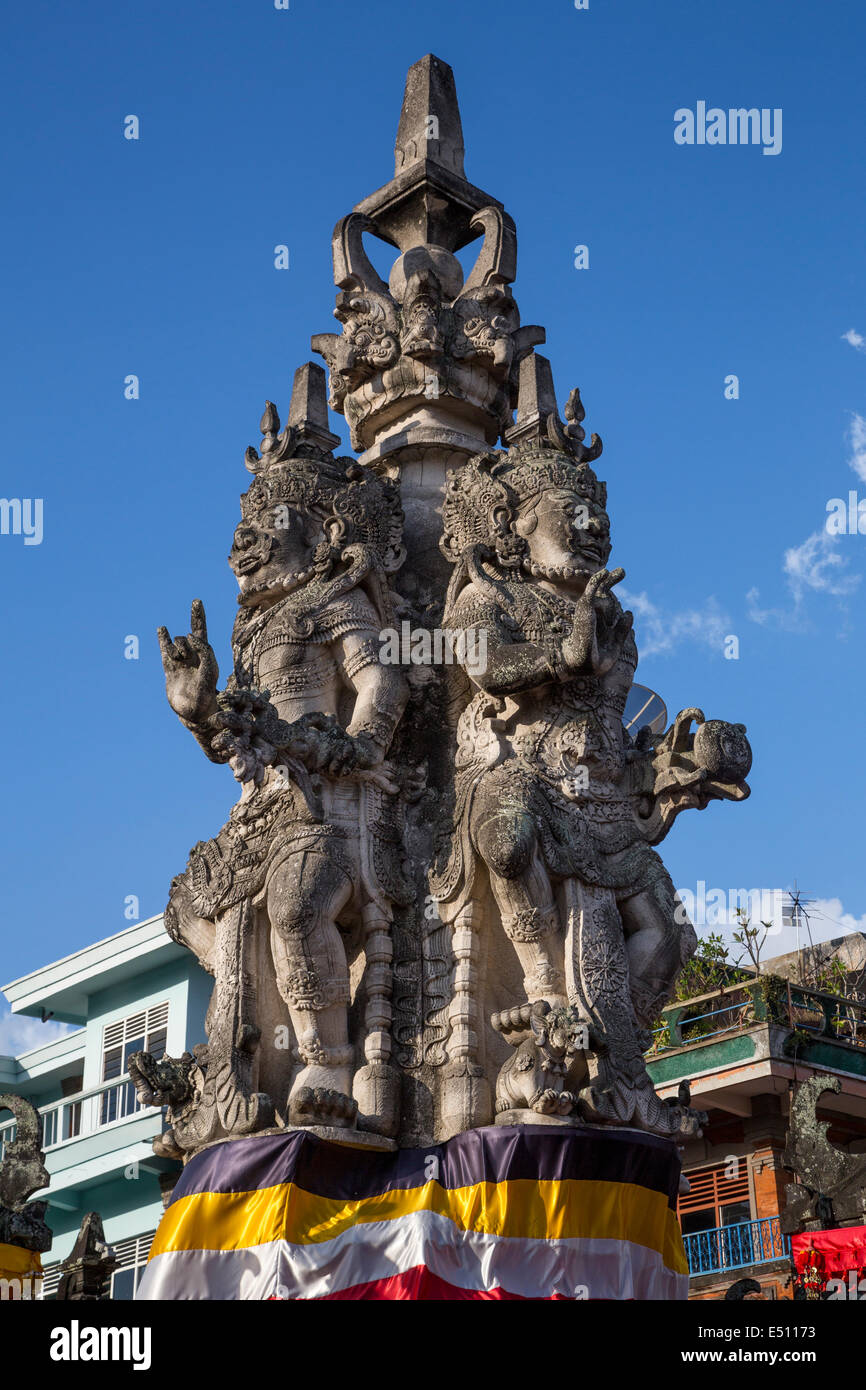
(530,920)
(507,841)
(658,945)
(305,895)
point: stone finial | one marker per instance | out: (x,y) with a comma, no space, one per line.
(429,201)
(536,400)
(430,126)
(308,411)
(87,1269)
(538,416)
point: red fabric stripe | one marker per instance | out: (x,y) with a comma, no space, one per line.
(421,1284)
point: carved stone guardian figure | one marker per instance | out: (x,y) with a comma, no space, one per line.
(85,1274)
(298,887)
(555,807)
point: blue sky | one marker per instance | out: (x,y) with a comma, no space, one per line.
(155,257)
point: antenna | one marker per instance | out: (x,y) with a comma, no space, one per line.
(795,914)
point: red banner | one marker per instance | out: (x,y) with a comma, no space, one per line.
(830,1254)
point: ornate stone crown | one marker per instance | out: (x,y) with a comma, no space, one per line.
(482,497)
(296,468)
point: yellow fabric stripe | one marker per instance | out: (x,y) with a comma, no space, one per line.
(15,1261)
(521,1208)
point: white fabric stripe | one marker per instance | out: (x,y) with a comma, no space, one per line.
(607,1268)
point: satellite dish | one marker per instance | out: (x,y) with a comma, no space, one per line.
(644,706)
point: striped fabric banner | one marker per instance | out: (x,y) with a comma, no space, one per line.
(20,1273)
(504,1212)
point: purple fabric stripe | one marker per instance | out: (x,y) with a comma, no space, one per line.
(491,1154)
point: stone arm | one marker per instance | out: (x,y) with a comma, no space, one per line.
(512,666)
(503,663)
(687,769)
(591,645)
(191,675)
(380,691)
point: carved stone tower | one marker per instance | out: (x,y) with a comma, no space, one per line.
(440,882)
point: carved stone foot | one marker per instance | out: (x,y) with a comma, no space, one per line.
(535,1117)
(552,1102)
(316,1105)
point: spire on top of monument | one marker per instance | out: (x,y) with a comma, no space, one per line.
(429,199)
(431,357)
(430,126)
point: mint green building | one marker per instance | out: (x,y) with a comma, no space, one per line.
(136,990)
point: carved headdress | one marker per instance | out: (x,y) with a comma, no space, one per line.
(357,515)
(356,507)
(483,496)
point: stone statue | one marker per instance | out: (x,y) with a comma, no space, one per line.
(310,860)
(556,809)
(23,1172)
(439,884)
(831,1190)
(551,1046)
(85,1274)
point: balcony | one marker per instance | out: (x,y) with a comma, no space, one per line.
(740,1246)
(812,1014)
(86,1113)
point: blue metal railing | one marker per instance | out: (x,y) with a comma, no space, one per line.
(738,1016)
(737,1247)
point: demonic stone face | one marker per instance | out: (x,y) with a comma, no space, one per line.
(564,1034)
(565,531)
(561,1033)
(269,549)
(723,749)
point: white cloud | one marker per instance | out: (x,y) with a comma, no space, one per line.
(19,1034)
(827,920)
(857,439)
(818,565)
(659,632)
(788,620)
(855,339)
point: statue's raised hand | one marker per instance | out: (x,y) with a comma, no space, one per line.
(581,646)
(191,670)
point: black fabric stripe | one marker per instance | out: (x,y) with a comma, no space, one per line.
(491,1154)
